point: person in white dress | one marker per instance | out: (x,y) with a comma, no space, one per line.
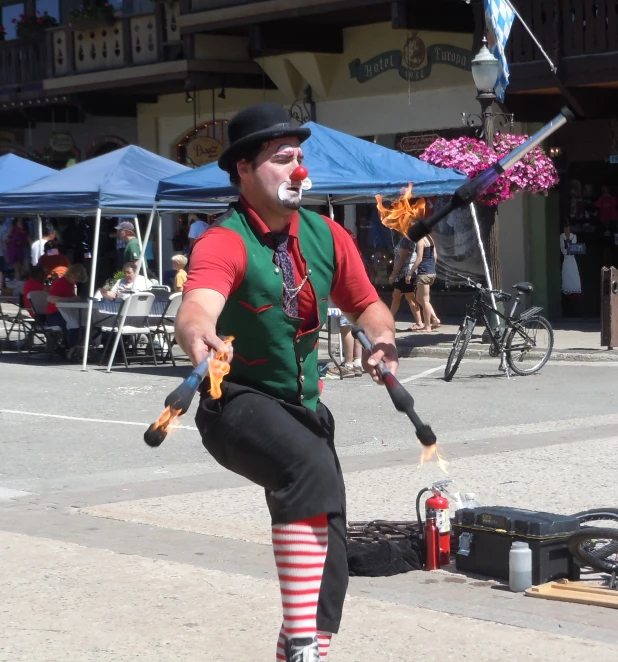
(571,282)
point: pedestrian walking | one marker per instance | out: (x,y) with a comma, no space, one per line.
(425,270)
(404,281)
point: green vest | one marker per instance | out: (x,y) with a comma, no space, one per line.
(269,353)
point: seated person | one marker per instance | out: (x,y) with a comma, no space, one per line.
(122,288)
(35,283)
(179,262)
(62,290)
(54,262)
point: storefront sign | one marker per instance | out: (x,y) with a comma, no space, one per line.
(413,63)
(203,150)
(417,144)
(62,142)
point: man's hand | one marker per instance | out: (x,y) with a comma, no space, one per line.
(383,351)
(201,342)
(379,327)
(196,323)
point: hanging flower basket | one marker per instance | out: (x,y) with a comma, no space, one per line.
(535,173)
(92,16)
(32,26)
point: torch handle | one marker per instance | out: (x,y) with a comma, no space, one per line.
(401,398)
(474,188)
(181,396)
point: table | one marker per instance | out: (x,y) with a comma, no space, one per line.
(104,313)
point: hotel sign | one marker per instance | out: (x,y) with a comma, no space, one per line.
(413,63)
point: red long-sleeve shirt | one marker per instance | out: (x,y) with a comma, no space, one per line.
(219,262)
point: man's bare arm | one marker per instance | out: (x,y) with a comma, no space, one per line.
(196,323)
(379,327)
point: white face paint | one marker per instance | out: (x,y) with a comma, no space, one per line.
(289,192)
(289,195)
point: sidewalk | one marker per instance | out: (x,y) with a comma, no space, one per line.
(573,341)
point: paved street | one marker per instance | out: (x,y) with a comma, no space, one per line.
(111,550)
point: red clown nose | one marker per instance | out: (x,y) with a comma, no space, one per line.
(298,174)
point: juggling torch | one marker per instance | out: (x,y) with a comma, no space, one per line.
(474,188)
(401,398)
(177,403)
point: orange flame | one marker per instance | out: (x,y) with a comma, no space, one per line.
(219,367)
(166,419)
(428,453)
(402,213)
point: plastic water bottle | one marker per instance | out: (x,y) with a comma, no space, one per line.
(520,567)
(469,501)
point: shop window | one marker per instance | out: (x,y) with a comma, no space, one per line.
(8,14)
(52,7)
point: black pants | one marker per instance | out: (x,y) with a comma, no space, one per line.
(289,450)
(71,336)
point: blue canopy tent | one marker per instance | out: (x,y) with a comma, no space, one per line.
(16,171)
(119,183)
(346,168)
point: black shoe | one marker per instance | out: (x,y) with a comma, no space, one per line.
(302,650)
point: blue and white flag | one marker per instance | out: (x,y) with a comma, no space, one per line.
(499,18)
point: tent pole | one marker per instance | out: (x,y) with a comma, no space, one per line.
(93,273)
(483,256)
(331,211)
(160,248)
(142,244)
(39,224)
(140,264)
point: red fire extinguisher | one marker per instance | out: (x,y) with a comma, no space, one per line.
(439,504)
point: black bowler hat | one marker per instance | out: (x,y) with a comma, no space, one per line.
(257,124)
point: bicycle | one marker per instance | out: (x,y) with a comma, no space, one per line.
(596,547)
(516,344)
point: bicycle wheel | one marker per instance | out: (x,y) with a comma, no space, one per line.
(595,547)
(459,348)
(529,345)
(597,515)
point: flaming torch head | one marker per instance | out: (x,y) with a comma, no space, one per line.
(402,213)
(156,433)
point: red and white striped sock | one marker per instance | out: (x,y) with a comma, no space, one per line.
(324,639)
(324,643)
(281,645)
(300,552)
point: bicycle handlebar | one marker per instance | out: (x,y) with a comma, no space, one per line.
(485,290)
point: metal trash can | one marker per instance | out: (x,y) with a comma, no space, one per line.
(609,307)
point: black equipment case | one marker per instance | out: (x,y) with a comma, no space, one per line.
(485,534)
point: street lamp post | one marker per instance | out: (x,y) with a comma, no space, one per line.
(485,71)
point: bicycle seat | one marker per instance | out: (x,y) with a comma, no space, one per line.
(524,288)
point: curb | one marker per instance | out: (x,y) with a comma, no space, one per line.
(407,351)
(597,356)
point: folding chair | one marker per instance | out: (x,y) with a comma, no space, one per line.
(20,325)
(165,326)
(138,307)
(40,329)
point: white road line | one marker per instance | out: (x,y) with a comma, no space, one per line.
(89,420)
(422,374)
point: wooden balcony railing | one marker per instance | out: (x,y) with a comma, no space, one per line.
(565,28)
(130,41)
(22,62)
